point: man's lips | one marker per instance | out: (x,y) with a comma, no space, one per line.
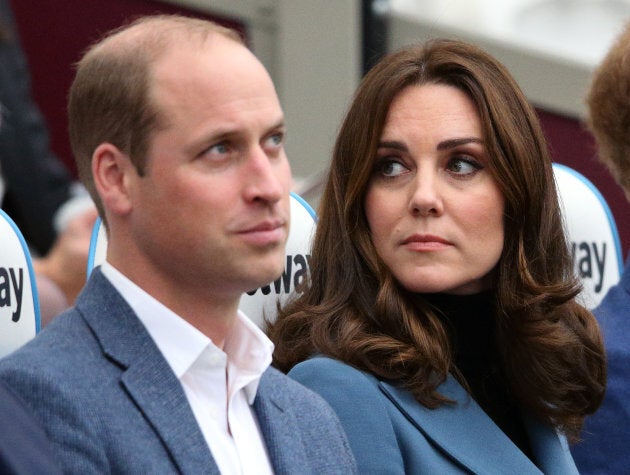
(265,233)
(265,226)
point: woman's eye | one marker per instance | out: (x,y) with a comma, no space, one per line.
(391,168)
(463,166)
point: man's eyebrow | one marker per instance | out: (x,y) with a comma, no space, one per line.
(281,123)
(229,132)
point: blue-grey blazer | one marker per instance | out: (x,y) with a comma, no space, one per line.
(111,404)
(390,432)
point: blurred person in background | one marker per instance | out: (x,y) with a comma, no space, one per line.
(53,211)
(24,447)
(606,435)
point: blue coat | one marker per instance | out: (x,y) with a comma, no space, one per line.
(606,434)
(390,432)
(110,403)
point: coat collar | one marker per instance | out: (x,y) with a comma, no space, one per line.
(146,376)
(478,444)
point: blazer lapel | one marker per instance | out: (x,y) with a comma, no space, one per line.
(146,376)
(278,427)
(163,402)
(463,430)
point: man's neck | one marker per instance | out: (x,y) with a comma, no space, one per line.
(210,312)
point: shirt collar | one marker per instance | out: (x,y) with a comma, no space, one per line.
(248,349)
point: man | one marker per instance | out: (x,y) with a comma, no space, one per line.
(606,434)
(178,136)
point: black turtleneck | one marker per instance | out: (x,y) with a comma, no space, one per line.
(470,322)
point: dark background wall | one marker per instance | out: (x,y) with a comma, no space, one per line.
(54,33)
(571,144)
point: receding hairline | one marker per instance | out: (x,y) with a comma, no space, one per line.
(158,33)
(108,99)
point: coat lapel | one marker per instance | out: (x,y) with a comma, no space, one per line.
(463,430)
(146,376)
(550,449)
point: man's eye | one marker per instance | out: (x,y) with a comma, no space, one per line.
(275,140)
(218,149)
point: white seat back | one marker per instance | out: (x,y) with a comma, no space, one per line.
(261,303)
(19,304)
(592,234)
(258,303)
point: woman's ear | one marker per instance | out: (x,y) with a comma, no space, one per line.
(112,171)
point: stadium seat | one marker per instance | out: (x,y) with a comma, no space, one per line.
(19,304)
(592,234)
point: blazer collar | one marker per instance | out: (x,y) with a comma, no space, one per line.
(469,435)
(146,376)
(277,424)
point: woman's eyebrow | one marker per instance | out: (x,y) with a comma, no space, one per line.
(452,143)
(396,145)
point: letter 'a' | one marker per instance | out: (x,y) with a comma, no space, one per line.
(591,232)
(19,305)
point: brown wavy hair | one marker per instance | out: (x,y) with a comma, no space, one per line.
(550,347)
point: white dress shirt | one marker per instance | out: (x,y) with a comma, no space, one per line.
(220,385)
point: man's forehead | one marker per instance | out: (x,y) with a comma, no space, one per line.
(223,76)
(217,60)
(159,38)
(214,49)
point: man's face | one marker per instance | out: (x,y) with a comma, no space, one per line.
(212,210)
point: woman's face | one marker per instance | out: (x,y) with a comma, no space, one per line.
(434,210)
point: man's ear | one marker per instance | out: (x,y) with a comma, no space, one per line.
(113,174)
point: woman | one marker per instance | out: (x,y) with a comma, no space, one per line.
(441,321)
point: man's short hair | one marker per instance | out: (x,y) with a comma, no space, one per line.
(109,100)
